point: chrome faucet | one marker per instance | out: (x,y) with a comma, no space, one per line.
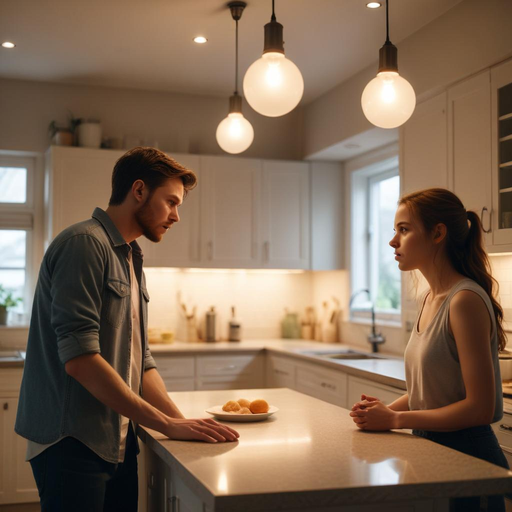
(375,338)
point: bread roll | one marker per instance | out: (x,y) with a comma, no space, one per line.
(259,406)
(231,406)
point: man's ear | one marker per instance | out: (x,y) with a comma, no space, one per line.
(139,190)
(439,233)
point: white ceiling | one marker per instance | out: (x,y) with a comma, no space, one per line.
(147,44)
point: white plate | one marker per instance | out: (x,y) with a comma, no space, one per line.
(219,414)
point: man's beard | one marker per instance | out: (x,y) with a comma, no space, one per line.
(144,218)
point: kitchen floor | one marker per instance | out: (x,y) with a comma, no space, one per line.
(24,507)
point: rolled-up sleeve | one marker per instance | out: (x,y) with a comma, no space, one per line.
(77,268)
(149,362)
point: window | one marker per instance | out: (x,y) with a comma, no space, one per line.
(17,209)
(375,190)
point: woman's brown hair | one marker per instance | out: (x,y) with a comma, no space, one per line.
(464,242)
(150,165)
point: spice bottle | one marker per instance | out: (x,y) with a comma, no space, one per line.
(211,319)
(234,327)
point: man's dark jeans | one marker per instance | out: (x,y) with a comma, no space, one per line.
(71,477)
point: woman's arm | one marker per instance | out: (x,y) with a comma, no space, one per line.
(471,325)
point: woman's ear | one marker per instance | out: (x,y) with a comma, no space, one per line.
(439,233)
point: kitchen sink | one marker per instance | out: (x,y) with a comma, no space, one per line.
(10,355)
(341,354)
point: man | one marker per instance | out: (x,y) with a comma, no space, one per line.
(89,376)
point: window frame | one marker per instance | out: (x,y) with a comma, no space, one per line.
(361,172)
(28,217)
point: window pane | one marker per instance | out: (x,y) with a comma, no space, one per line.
(388,291)
(13,244)
(13,185)
(14,281)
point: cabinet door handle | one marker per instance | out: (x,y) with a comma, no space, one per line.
(210,250)
(6,406)
(266,247)
(175,503)
(484,209)
(228,367)
(504,426)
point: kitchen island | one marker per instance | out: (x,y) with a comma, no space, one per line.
(309,456)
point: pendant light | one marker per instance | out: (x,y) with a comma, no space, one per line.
(273,85)
(234,133)
(388,100)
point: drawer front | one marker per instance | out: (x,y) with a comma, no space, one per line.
(212,383)
(179,384)
(10,381)
(503,431)
(280,373)
(218,366)
(174,367)
(356,387)
(323,384)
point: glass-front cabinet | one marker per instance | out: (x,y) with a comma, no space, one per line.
(501,85)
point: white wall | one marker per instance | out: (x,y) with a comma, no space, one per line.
(180,123)
(475,34)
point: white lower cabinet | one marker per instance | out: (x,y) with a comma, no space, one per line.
(230,372)
(358,386)
(322,383)
(17,483)
(280,372)
(178,373)
(208,372)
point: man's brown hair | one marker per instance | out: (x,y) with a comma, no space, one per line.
(151,166)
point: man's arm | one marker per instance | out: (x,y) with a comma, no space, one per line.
(154,392)
(105,384)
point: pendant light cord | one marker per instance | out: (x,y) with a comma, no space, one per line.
(236,58)
(273,18)
(387,22)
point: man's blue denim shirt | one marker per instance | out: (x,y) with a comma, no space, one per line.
(82,305)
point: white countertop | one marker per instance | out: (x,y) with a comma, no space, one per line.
(310,454)
(388,370)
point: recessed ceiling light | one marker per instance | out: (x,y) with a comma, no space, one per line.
(200,40)
(373,5)
(8,44)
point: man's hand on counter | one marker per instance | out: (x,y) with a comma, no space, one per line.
(206,430)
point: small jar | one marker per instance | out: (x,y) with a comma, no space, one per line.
(89,134)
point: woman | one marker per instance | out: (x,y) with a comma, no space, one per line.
(451,360)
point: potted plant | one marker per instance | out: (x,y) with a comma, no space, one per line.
(7,300)
(61,135)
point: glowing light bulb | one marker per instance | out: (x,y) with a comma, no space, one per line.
(388,100)
(234,133)
(273,85)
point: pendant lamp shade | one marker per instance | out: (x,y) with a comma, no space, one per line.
(273,85)
(388,100)
(234,133)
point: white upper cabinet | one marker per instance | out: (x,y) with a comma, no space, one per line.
(244,213)
(285,214)
(469,146)
(180,247)
(423,141)
(230,217)
(501,108)
(77,180)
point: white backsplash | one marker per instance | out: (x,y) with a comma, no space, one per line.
(260,297)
